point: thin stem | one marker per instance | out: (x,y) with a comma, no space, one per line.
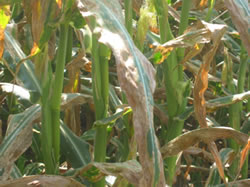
(241,82)
(234,110)
(46,131)
(57,91)
(100,77)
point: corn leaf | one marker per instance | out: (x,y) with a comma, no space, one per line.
(136,77)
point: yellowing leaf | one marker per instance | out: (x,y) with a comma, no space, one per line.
(4,19)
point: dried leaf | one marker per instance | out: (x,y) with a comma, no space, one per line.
(201,81)
(201,84)
(130,170)
(201,135)
(72,115)
(39,14)
(244,154)
(239,11)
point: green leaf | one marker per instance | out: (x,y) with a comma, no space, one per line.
(112,119)
(26,77)
(74,148)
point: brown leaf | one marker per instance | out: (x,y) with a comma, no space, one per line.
(38,19)
(240,17)
(201,84)
(201,135)
(201,81)
(213,149)
(130,170)
(244,154)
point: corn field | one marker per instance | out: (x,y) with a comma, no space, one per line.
(124,93)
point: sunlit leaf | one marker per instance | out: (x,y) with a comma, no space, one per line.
(16,90)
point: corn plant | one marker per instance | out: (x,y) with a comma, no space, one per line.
(124,93)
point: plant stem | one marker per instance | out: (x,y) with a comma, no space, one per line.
(241,82)
(234,110)
(57,92)
(45,76)
(69,45)
(173,76)
(100,85)
(183,25)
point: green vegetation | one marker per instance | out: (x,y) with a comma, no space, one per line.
(151,92)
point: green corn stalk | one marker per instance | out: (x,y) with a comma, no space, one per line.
(46,132)
(241,82)
(176,97)
(51,107)
(100,85)
(234,110)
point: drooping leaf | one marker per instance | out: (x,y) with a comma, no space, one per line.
(136,77)
(130,170)
(202,135)
(201,84)
(25,76)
